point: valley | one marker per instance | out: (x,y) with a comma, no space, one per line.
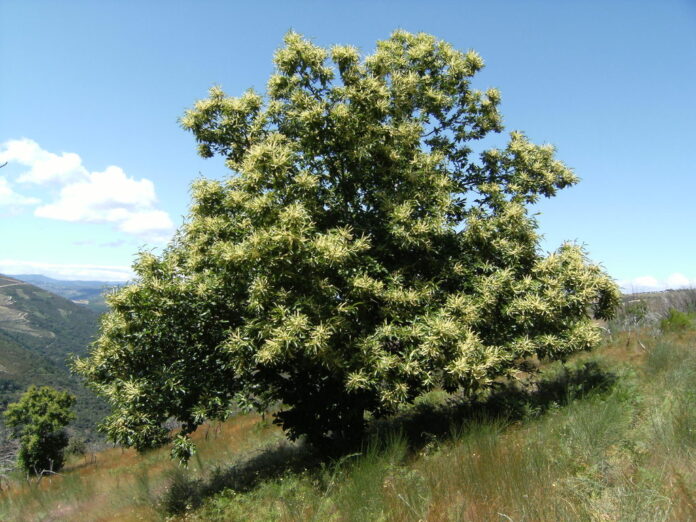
(39,332)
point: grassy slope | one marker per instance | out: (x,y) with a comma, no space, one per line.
(624,452)
(38,332)
(45,323)
(613,440)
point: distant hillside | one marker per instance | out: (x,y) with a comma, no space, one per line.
(659,303)
(646,309)
(38,332)
(87,293)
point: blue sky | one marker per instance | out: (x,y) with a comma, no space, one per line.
(98,167)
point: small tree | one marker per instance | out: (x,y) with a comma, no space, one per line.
(359,255)
(37,420)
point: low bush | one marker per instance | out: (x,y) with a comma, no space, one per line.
(676,321)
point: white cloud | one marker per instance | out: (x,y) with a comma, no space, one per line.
(646,282)
(44,166)
(110,196)
(679,281)
(652,284)
(9,197)
(67,271)
(147,222)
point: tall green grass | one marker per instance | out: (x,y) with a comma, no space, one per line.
(622,449)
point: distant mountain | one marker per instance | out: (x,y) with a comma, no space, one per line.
(38,332)
(87,293)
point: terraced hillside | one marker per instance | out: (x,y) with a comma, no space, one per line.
(38,332)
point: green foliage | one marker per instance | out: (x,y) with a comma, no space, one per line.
(359,255)
(631,315)
(76,446)
(676,321)
(38,419)
(636,311)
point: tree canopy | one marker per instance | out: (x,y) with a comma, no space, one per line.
(37,419)
(359,254)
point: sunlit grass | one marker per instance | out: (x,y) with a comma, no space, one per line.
(608,454)
(118,483)
(612,436)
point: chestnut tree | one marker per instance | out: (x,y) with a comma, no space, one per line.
(359,254)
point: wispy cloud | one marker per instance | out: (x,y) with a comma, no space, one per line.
(110,196)
(649,283)
(67,271)
(112,244)
(106,244)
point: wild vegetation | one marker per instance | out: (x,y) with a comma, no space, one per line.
(37,420)
(379,290)
(607,436)
(359,255)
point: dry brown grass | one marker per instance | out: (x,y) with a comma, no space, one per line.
(120,484)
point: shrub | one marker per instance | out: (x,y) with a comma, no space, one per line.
(76,446)
(38,419)
(676,321)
